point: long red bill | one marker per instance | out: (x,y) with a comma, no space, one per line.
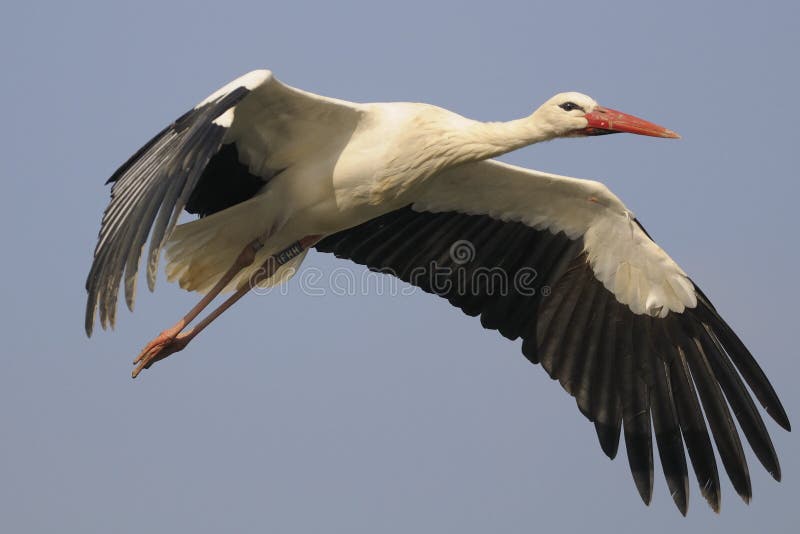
(604,121)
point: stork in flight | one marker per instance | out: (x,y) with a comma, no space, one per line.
(272,171)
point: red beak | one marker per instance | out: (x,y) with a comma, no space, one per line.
(605,121)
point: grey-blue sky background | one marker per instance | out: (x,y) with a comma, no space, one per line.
(375,413)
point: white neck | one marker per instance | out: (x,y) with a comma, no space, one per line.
(447,141)
(482,140)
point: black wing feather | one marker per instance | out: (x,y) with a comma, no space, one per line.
(606,402)
(719,418)
(690,418)
(632,382)
(668,433)
(150,190)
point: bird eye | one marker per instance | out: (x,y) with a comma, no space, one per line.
(569,106)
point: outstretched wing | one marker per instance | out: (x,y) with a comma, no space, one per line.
(562,264)
(218,154)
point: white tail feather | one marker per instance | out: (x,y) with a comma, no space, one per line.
(200,252)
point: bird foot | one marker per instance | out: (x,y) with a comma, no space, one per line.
(166,343)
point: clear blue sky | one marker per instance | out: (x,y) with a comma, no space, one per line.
(372,413)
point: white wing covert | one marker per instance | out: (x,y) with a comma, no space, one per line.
(622,256)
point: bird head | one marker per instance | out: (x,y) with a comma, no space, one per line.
(577,115)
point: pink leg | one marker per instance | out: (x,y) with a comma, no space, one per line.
(171,340)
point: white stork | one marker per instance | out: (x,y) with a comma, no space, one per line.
(272,170)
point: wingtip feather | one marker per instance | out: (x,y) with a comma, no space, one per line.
(608,436)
